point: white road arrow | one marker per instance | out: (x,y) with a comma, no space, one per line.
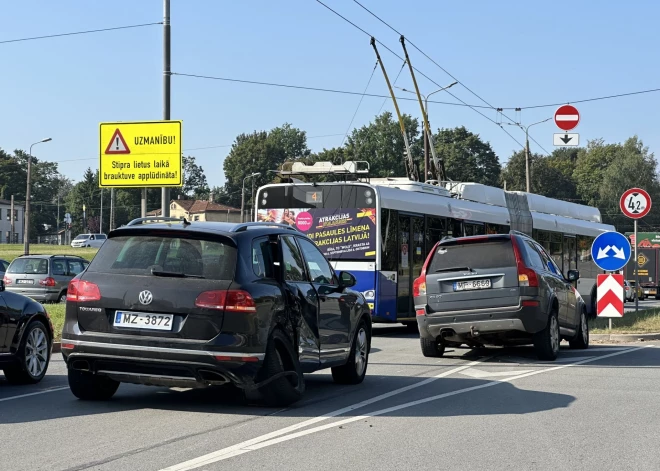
(475,373)
(618,253)
(602,252)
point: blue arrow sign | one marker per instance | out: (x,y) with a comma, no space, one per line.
(611,251)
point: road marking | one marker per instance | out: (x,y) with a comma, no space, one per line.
(475,373)
(229,451)
(33,394)
(262,442)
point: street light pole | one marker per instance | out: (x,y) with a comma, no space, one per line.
(427,165)
(167,76)
(527,177)
(26,232)
(252,175)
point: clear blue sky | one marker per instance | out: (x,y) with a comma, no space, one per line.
(512,52)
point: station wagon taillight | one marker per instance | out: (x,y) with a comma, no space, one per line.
(81,291)
(526,275)
(419,284)
(48,282)
(227,300)
(7,280)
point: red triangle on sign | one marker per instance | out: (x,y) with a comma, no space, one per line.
(117,144)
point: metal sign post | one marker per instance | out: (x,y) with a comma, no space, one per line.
(635,203)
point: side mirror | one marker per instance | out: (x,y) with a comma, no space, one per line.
(573,275)
(347,280)
(2,285)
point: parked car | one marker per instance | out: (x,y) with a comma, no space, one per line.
(88,240)
(43,278)
(501,290)
(640,291)
(631,293)
(3,266)
(198,304)
(26,338)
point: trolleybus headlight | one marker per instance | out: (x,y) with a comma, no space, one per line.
(371,294)
(369,201)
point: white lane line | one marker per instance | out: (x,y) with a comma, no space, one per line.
(34,394)
(226,452)
(250,445)
(475,373)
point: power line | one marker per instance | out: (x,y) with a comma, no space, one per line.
(187,150)
(607,97)
(78,32)
(314,89)
(473,108)
(448,73)
(358,106)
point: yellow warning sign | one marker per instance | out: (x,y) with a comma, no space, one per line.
(642,260)
(140,154)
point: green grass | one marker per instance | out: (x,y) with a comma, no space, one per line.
(644,322)
(56,313)
(10,251)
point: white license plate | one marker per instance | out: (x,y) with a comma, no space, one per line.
(142,320)
(472,284)
(24,282)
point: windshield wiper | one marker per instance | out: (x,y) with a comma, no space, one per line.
(440,270)
(174,274)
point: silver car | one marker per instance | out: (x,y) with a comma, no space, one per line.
(44,278)
(89,240)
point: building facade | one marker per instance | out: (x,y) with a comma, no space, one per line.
(201,210)
(6,223)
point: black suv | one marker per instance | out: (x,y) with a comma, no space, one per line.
(183,304)
(498,290)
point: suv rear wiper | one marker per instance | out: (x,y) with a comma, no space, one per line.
(440,270)
(174,274)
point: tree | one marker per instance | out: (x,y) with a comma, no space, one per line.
(381,144)
(194,180)
(260,152)
(467,158)
(590,167)
(550,176)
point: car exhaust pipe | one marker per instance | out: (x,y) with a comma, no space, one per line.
(81,365)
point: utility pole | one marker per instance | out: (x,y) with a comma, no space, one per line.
(57,226)
(165,192)
(26,233)
(528,184)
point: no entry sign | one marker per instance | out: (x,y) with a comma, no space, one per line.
(567,117)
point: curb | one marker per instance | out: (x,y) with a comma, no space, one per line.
(57,347)
(626,337)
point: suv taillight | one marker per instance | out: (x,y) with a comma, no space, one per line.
(6,279)
(81,291)
(230,300)
(48,282)
(526,275)
(419,284)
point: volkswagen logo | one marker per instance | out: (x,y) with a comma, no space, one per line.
(145,297)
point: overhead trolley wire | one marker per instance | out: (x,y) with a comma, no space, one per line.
(472,107)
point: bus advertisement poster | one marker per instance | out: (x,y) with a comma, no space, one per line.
(338,233)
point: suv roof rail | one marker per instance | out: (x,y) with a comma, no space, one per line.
(49,256)
(244,226)
(137,221)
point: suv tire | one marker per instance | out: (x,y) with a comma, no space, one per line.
(431,348)
(90,387)
(355,368)
(546,342)
(581,340)
(34,356)
(284,390)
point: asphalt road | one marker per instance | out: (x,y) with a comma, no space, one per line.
(648,303)
(491,409)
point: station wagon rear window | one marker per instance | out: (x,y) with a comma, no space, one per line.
(484,255)
(29,266)
(146,254)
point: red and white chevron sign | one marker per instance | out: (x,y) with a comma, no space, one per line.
(610,296)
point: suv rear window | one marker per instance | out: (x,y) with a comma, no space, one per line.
(29,266)
(142,254)
(484,255)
